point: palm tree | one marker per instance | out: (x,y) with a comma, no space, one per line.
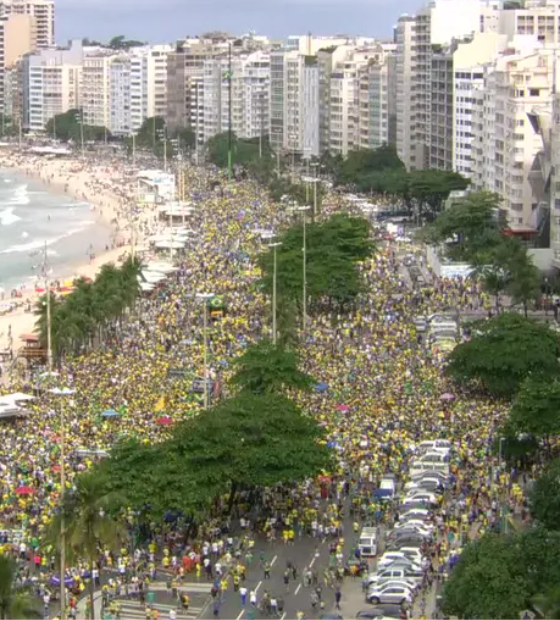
(14,602)
(89,523)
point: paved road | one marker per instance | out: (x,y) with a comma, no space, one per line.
(306,552)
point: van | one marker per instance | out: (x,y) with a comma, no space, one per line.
(387,489)
(368,542)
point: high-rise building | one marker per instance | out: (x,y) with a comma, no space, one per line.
(51,84)
(517,87)
(148,83)
(43,13)
(119,96)
(418,38)
(96,88)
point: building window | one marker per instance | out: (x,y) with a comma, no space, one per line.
(534,92)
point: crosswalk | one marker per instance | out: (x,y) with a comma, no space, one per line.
(133,610)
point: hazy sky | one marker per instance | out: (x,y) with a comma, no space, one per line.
(168,20)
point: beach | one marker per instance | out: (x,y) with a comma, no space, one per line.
(110,194)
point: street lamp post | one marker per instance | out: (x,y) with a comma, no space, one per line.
(205,297)
(274,247)
(62,393)
(304,250)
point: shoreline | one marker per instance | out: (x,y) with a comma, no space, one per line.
(82,182)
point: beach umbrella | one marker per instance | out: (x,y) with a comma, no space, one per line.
(110,413)
(164,421)
(321,387)
(343,408)
(447,396)
(24,490)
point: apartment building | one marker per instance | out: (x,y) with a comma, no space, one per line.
(43,13)
(539,18)
(422,45)
(516,86)
(96,88)
(119,96)
(51,84)
(148,83)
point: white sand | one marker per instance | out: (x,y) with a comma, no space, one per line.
(111,194)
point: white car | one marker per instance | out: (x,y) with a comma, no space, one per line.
(421,514)
(389,593)
(390,557)
(393,574)
(420,497)
(424,528)
(424,483)
(414,554)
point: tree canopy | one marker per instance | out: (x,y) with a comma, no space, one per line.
(544,497)
(266,368)
(67,126)
(334,249)
(503,352)
(15,602)
(359,164)
(250,440)
(92,306)
(499,576)
(536,408)
(470,225)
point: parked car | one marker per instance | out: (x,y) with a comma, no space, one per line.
(389,558)
(385,610)
(389,593)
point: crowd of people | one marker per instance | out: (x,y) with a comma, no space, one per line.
(383,396)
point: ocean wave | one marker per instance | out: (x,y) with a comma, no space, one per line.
(20,196)
(8,217)
(40,243)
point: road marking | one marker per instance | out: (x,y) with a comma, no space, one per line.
(312,562)
(283,616)
(240,614)
(297,589)
(258,586)
(273,560)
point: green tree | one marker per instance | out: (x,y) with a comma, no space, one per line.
(89,522)
(536,408)
(267,368)
(90,309)
(503,352)
(430,188)
(470,226)
(120,42)
(251,440)
(524,283)
(334,249)
(499,576)
(15,602)
(544,497)
(67,126)
(364,162)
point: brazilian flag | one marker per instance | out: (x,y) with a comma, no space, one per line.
(217,303)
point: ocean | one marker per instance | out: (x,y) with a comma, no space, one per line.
(32,215)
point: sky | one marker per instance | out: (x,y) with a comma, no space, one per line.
(161,21)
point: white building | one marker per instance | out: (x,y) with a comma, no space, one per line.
(51,85)
(468,67)
(516,87)
(119,96)
(148,83)
(96,88)
(437,24)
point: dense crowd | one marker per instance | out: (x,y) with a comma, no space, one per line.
(383,396)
